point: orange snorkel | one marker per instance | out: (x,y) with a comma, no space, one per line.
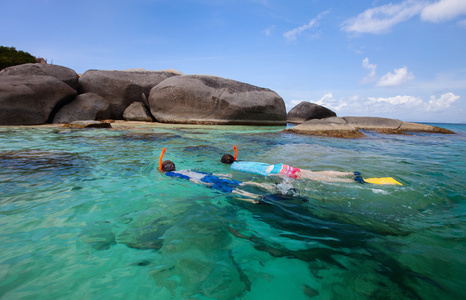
(160,159)
(236,151)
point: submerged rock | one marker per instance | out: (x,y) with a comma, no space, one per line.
(88,124)
(205,99)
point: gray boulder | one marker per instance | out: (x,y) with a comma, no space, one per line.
(148,79)
(87,106)
(121,88)
(30,100)
(395,126)
(64,74)
(205,99)
(349,127)
(416,127)
(307,111)
(373,123)
(137,112)
(331,127)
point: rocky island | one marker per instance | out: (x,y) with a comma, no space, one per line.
(38,93)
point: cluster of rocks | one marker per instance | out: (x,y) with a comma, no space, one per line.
(35,94)
(350,127)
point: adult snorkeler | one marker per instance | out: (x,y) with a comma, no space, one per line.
(212,181)
(296,173)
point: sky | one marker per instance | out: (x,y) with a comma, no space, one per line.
(403,59)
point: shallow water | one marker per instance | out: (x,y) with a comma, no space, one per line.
(84,214)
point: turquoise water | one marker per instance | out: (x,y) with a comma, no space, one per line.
(84,214)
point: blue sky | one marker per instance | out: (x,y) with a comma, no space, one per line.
(400,59)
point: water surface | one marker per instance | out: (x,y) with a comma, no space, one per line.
(84,214)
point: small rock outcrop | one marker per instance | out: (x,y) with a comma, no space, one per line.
(332,127)
(349,127)
(30,100)
(205,99)
(121,88)
(88,106)
(137,112)
(305,111)
(88,124)
(67,75)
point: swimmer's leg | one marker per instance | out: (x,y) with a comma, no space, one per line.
(330,176)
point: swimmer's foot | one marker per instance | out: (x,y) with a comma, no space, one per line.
(358,178)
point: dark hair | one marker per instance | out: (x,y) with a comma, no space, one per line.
(168,165)
(227,159)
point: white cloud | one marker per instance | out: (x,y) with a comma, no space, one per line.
(381,19)
(399,77)
(443,10)
(371,76)
(406,101)
(404,107)
(293,34)
(328,101)
(268,30)
(445,101)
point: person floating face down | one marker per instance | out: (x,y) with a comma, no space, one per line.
(296,173)
(285,170)
(212,181)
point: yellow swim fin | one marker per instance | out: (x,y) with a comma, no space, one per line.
(382,180)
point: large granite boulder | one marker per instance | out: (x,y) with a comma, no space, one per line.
(67,75)
(349,127)
(205,99)
(305,111)
(137,112)
(121,88)
(88,106)
(30,100)
(148,79)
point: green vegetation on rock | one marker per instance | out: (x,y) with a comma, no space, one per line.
(9,56)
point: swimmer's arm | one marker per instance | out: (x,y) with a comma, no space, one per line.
(266,186)
(252,198)
(222,175)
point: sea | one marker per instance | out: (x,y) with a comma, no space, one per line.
(86,214)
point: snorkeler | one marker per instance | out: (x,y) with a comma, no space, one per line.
(284,170)
(296,173)
(212,181)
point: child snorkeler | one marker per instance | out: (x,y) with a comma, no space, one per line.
(287,171)
(212,181)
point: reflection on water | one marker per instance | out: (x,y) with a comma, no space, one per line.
(86,214)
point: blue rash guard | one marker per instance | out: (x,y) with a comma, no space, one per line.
(214,182)
(266,169)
